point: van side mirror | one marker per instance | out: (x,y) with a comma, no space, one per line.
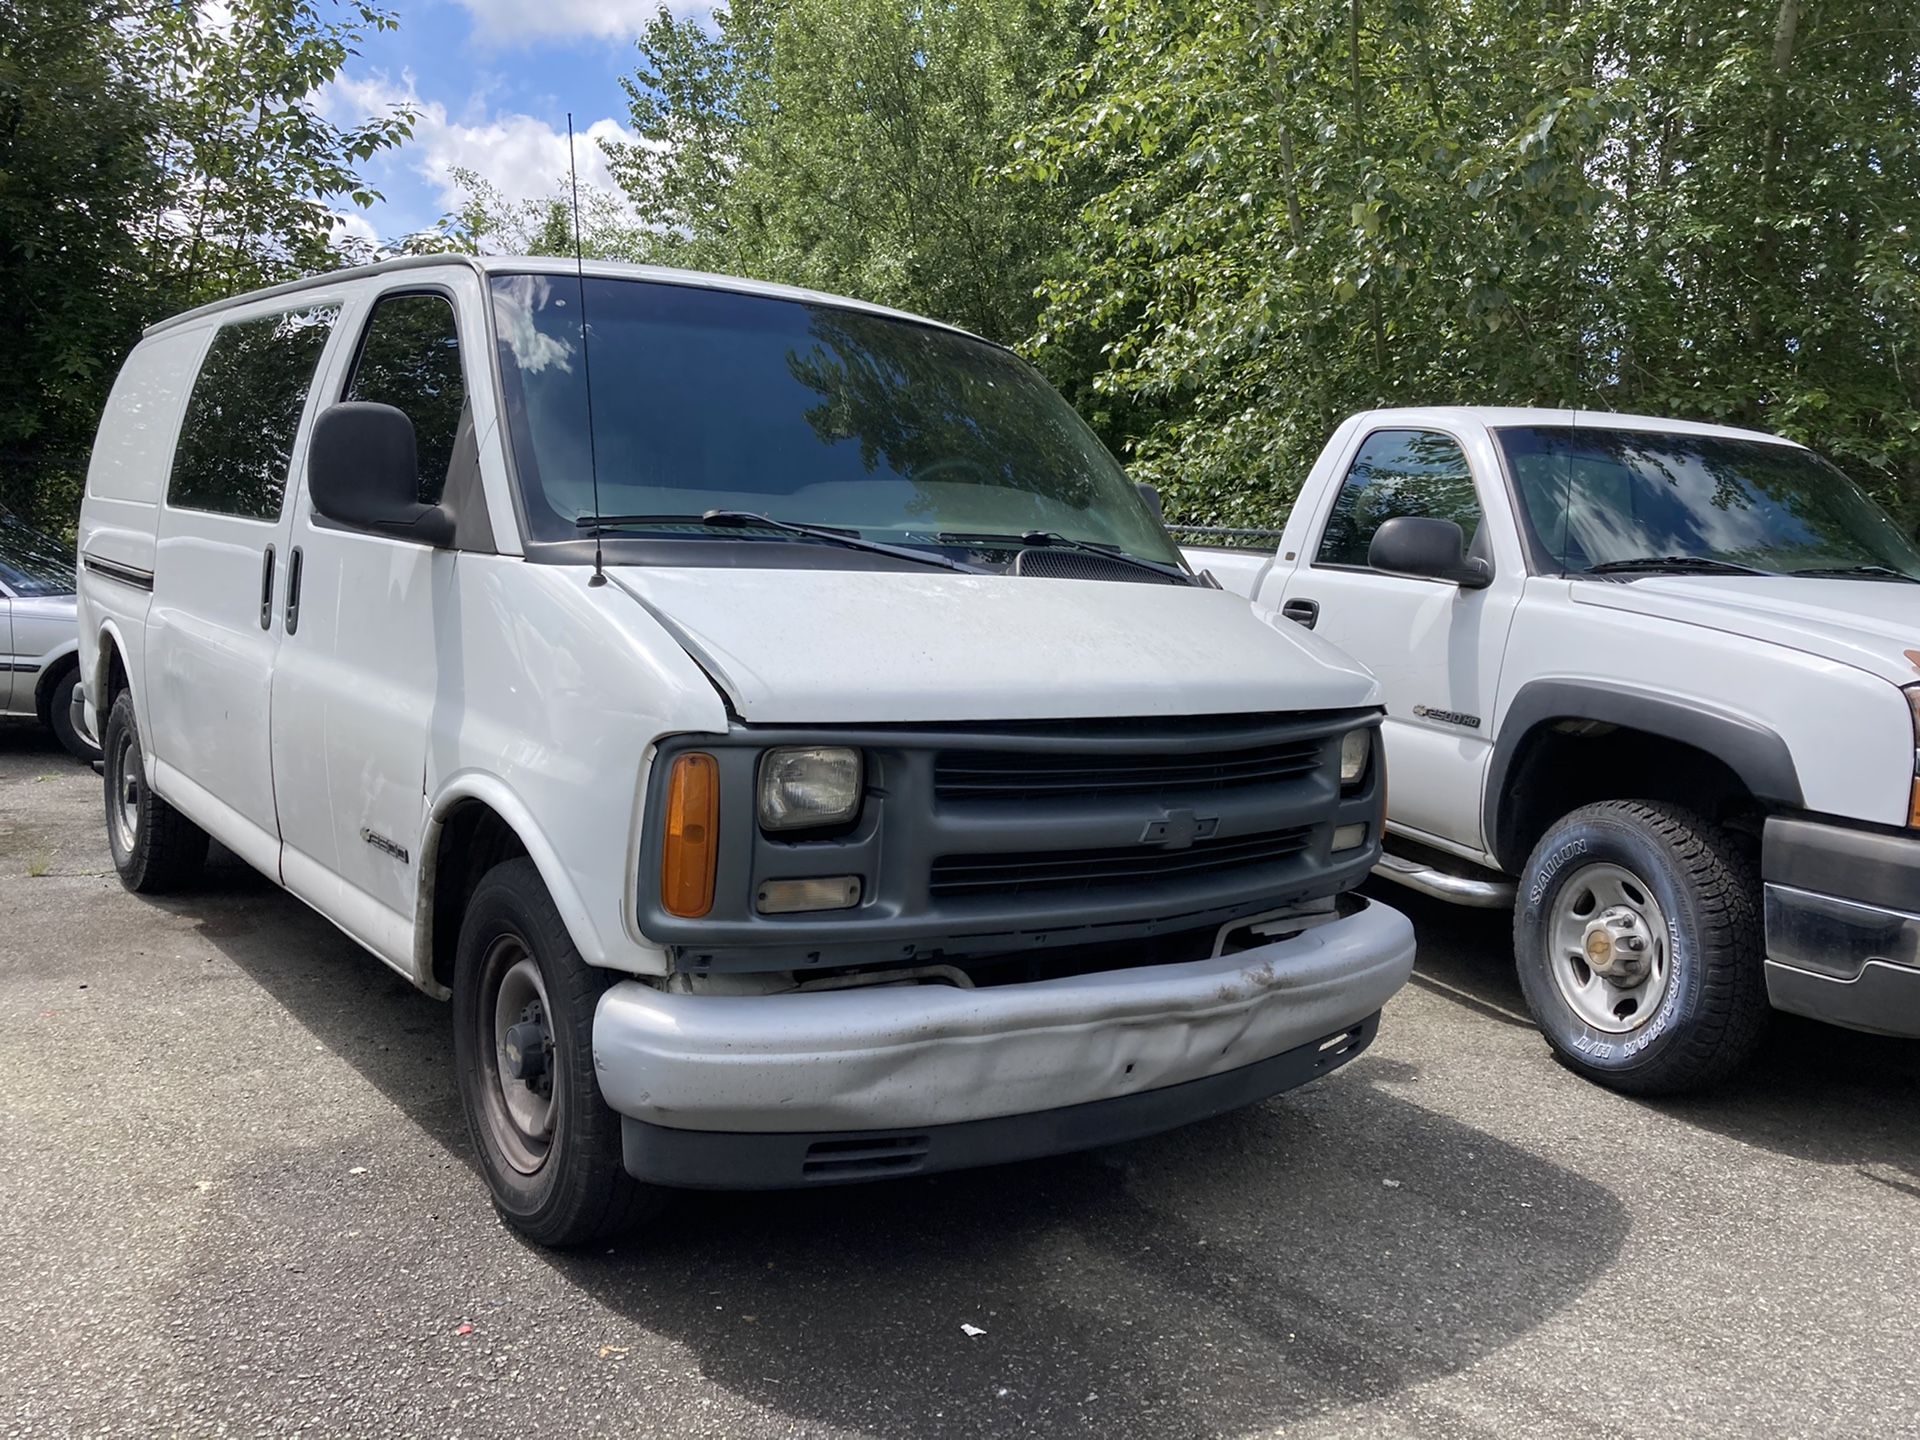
(363,471)
(1151,494)
(1427,548)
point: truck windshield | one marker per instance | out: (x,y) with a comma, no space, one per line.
(713,400)
(32,563)
(1638,499)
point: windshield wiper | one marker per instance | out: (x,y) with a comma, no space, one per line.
(1864,572)
(1673,565)
(1053,540)
(748,520)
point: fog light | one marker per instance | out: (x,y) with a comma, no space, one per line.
(1349,837)
(806,786)
(1355,747)
(784,897)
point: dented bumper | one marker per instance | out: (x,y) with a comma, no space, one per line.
(840,1063)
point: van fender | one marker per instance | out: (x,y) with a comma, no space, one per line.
(111,635)
(494,793)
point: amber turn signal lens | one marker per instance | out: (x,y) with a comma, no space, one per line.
(1913,807)
(692,849)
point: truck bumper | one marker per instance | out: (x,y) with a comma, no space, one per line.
(1843,925)
(834,1086)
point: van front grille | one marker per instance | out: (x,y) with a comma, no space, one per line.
(1022,774)
(1031,872)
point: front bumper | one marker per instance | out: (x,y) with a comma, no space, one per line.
(1843,925)
(837,1065)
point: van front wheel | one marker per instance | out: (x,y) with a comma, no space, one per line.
(523,1006)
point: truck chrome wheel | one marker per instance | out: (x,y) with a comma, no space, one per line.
(1609,948)
(123,785)
(518,1044)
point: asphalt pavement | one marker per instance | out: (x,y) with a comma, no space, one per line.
(238,1199)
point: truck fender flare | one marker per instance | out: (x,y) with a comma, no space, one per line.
(490,791)
(1750,749)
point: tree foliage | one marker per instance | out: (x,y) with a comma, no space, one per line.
(1303,207)
(153,155)
(852,145)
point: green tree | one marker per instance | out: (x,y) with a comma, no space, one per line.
(1302,207)
(852,145)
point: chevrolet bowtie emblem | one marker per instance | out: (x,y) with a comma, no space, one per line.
(1179,830)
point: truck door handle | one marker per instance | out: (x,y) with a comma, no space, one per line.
(294,567)
(266,590)
(1302,612)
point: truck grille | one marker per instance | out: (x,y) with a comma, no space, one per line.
(1015,775)
(1056,871)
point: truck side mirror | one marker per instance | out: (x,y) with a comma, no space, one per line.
(1427,548)
(363,471)
(1151,494)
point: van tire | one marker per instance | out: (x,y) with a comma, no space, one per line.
(59,713)
(564,1184)
(1675,880)
(155,848)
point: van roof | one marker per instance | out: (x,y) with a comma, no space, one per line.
(549,265)
(1497,417)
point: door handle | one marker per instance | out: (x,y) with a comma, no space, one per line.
(294,566)
(1302,612)
(266,590)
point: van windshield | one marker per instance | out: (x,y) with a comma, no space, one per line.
(1619,500)
(706,399)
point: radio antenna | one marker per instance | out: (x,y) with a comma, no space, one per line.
(586,355)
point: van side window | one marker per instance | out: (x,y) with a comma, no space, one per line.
(410,359)
(236,443)
(1399,472)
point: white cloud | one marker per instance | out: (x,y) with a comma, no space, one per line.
(523,157)
(504,21)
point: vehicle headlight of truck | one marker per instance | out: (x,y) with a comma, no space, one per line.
(1356,747)
(809,787)
(1913,796)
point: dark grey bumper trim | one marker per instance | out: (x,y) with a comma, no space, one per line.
(724,1160)
(1884,1000)
(1868,867)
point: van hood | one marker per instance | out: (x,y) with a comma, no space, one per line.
(1872,625)
(879,647)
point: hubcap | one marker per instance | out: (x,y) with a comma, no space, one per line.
(517,1043)
(1609,948)
(123,789)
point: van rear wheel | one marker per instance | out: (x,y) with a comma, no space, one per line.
(523,1007)
(155,848)
(1638,941)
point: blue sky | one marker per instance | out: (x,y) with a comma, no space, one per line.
(493,80)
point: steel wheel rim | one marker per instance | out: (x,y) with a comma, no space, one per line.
(124,794)
(521,1116)
(1609,948)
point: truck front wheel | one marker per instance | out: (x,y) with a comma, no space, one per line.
(1638,940)
(523,1006)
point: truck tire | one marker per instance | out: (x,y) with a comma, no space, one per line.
(523,1007)
(1638,940)
(155,848)
(59,716)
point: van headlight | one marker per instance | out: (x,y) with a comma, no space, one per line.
(808,787)
(1355,748)
(1913,796)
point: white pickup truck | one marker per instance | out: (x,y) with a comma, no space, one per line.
(1655,684)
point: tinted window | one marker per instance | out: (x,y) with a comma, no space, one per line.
(709,399)
(410,359)
(236,442)
(1399,472)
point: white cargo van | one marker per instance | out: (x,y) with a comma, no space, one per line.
(774,721)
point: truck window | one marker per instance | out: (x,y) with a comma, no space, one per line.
(410,359)
(236,443)
(1398,472)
